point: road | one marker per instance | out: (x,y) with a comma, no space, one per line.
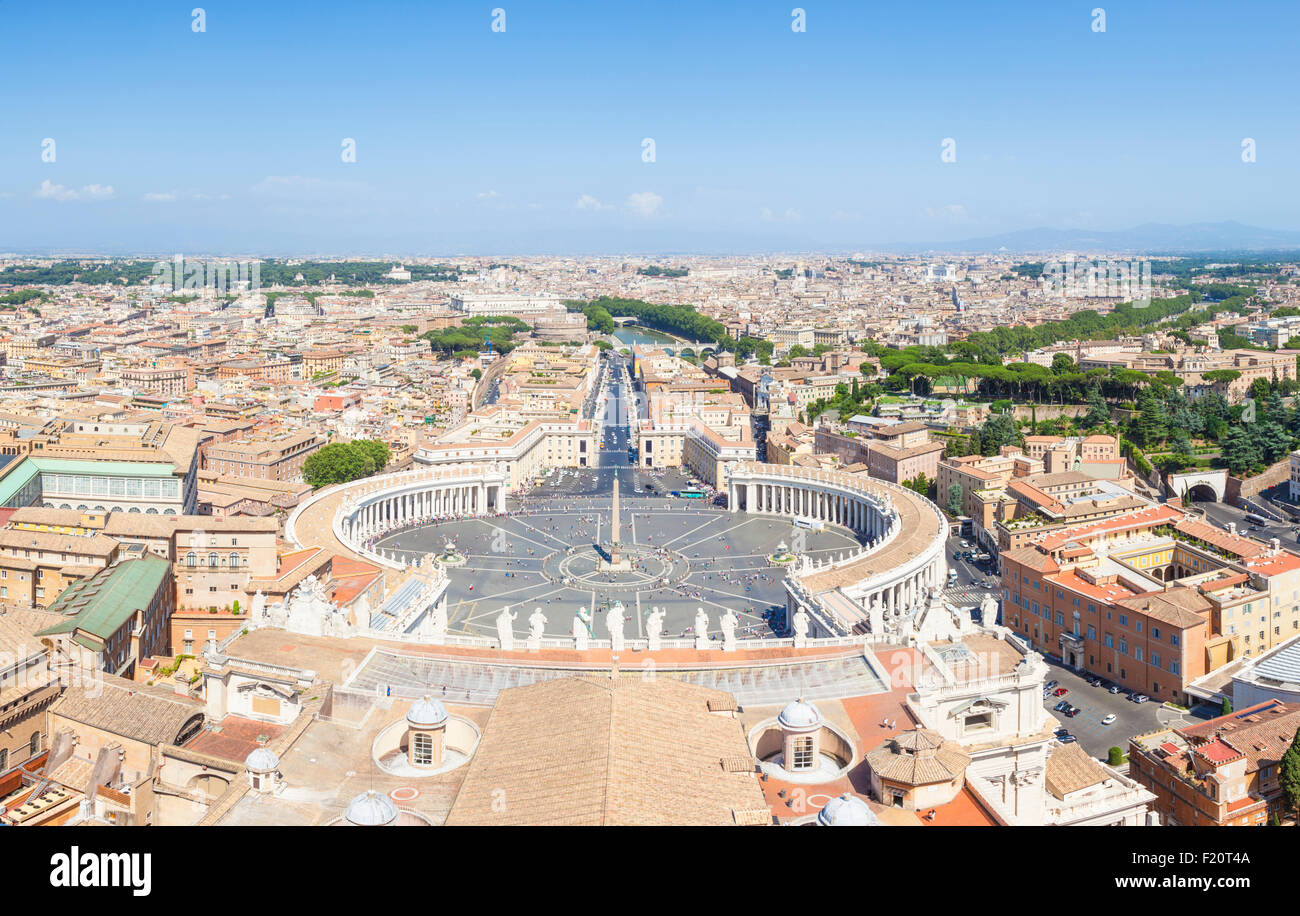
(1094,704)
(970,577)
(1221,514)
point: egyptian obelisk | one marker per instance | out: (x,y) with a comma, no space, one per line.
(615,561)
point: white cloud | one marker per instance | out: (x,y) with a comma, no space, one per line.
(298,187)
(50,191)
(587,202)
(791,215)
(644,203)
(952,213)
(487,195)
(166,197)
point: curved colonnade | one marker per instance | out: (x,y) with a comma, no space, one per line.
(873,589)
(358,512)
(867,592)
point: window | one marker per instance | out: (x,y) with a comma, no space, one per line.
(1123,620)
(803,753)
(1155,632)
(34,746)
(4,759)
(191,560)
(1092,632)
(1109,641)
(1173,639)
(423,749)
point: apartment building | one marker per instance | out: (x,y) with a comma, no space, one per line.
(1219,773)
(1191,364)
(121,613)
(1151,599)
(892,450)
(264,458)
(168,381)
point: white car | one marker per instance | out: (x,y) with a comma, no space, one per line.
(1108,720)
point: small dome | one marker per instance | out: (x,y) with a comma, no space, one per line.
(370,809)
(798,714)
(847,811)
(426,713)
(262,760)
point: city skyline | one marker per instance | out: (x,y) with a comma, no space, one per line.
(532,139)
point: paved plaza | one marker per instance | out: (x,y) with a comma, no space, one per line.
(548,550)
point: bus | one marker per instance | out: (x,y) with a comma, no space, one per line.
(691,494)
(1256,519)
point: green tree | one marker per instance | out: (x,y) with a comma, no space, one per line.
(954,499)
(999,430)
(378,452)
(1226,708)
(1151,424)
(1115,756)
(1289,774)
(920,483)
(340,462)
(1098,411)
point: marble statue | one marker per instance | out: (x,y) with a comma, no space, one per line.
(536,626)
(800,626)
(989,611)
(701,629)
(728,623)
(581,629)
(654,628)
(258,610)
(505,630)
(614,621)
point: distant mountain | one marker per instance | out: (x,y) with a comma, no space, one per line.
(1149,237)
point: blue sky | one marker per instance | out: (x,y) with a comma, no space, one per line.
(471,141)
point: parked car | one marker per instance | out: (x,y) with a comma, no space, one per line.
(1114,689)
(1067,739)
(1061,732)
(1061,691)
(1061,706)
(1108,720)
(1050,684)
(1140,698)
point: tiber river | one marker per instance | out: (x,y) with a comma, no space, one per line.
(644,337)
